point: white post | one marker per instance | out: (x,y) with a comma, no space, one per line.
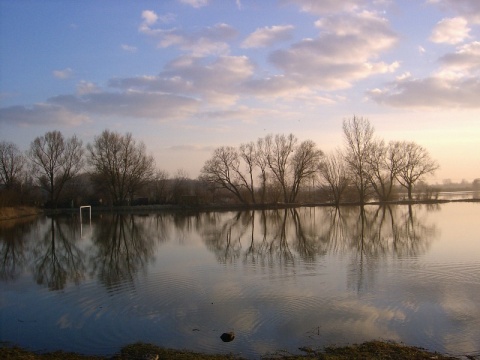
(81,225)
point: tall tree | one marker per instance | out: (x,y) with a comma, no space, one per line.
(279,149)
(55,161)
(304,164)
(416,164)
(333,173)
(358,136)
(384,162)
(121,164)
(12,163)
(248,153)
(261,161)
(222,169)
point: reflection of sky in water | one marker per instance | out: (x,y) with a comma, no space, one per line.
(308,278)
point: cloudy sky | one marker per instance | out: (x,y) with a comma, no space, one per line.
(186,76)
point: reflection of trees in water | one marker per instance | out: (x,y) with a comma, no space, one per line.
(57,259)
(123,244)
(381,231)
(218,237)
(14,241)
(281,236)
(123,247)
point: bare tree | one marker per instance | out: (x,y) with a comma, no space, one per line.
(248,153)
(304,165)
(261,161)
(279,149)
(55,161)
(333,172)
(384,162)
(222,169)
(121,164)
(12,163)
(416,164)
(358,135)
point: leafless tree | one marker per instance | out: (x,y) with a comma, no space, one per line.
(304,165)
(248,153)
(279,150)
(12,163)
(333,173)
(261,161)
(223,169)
(121,164)
(55,161)
(417,164)
(384,162)
(358,136)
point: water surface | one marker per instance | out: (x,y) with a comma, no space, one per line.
(280,279)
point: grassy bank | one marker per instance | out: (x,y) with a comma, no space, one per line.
(374,350)
(9,213)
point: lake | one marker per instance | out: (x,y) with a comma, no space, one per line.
(280,279)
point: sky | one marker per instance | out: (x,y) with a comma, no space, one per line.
(187,76)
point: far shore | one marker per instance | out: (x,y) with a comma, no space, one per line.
(12,213)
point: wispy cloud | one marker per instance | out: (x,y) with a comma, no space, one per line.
(195,3)
(326,6)
(268,36)
(205,41)
(63,74)
(128,48)
(454,84)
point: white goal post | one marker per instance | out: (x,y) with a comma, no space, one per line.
(86,207)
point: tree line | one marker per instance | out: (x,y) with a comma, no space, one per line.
(115,169)
(275,168)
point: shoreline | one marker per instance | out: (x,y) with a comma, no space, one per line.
(374,350)
(17,212)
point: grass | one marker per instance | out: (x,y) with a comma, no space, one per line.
(373,350)
(9,213)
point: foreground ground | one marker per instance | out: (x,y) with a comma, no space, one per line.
(374,350)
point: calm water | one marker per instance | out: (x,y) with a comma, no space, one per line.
(278,279)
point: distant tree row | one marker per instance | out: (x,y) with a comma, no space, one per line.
(116,169)
(276,167)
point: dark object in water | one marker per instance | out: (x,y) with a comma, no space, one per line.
(227,337)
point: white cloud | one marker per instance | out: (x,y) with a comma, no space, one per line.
(326,6)
(149,17)
(63,74)
(455,84)
(450,31)
(206,41)
(268,36)
(344,53)
(217,82)
(195,3)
